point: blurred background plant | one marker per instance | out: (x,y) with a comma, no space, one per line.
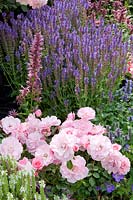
(83,62)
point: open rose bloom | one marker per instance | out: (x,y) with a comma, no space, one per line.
(70,138)
(33,3)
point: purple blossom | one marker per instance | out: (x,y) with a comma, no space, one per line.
(118,177)
(110,188)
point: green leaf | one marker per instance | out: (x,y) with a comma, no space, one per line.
(96,175)
(92,181)
(69,164)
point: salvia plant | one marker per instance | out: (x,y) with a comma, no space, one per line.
(16,185)
(82,62)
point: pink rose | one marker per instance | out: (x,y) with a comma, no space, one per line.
(99,148)
(97,130)
(86,113)
(37,163)
(25,164)
(62,145)
(77,172)
(33,141)
(33,3)
(116,147)
(45,152)
(11,147)
(23,2)
(112,162)
(9,124)
(125,166)
(47,123)
(71,116)
(37,3)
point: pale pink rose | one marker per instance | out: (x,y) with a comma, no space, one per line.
(116,146)
(99,148)
(37,3)
(9,124)
(77,172)
(21,132)
(23,2)
(45,152)
(68,123)
(37,163)
(62,146)
(47,123)
(86,113)
(69,131)
(125,166)
(85,142)
(97,130)
(71,116)
(83,126)
(25,164)
(33,123)
(112,162)
(51,121)
(10,146)
(38,113)
(33,141)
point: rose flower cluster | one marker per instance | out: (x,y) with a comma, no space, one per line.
(35,135)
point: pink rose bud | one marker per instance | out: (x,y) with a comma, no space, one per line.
(38,113)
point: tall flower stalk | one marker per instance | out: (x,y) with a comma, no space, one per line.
(33,87)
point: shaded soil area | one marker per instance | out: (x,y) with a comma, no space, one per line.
(6,102)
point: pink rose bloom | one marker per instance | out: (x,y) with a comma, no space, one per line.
(25,164)
(37,3)
(9,124)
(62,146)
(77,172)
(11,147)
(21,132)
(112,162)
(33,141)
(37,163)
(71,116)
(99,148)
(38,113)
(125,166)
(33,123)
(45,152)
(68,123)
(47,123)
(98,129)
(51,121)
(86,113)
(85,142)
(83,126)
(116,147)
(23,2)
(69,131)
